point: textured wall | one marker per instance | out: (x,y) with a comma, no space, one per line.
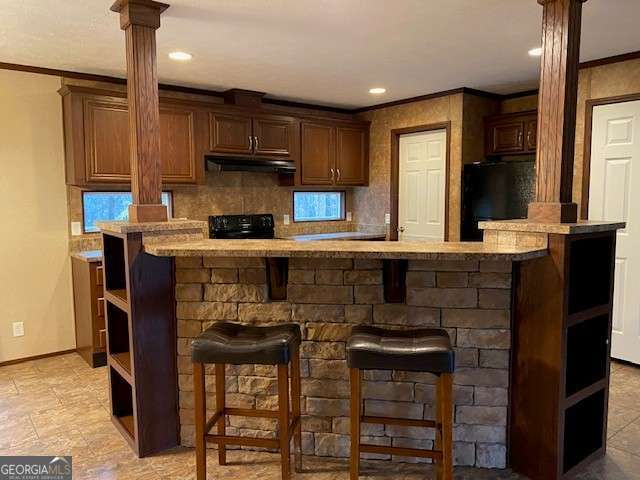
(372,203)
(326,297)
(36,270)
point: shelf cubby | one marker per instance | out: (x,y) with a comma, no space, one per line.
(122,402)
(583,430)
(114,263)
(590,272)
(587,353)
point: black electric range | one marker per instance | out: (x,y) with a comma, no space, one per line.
(241,226)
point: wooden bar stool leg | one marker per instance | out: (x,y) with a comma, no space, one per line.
(437,443)
(356,402)
(200,405)
(445,399)
(295,399)
(283,420)
(220,406)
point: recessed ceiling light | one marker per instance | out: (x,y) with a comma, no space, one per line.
(377,90)
(535,52)
(180,56)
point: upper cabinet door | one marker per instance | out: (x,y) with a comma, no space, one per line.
(178,160)
(230,133)
(106,132)
(511,133)
(351,156)
(317,159)
(273,136)
(508,137)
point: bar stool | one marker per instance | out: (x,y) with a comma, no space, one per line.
(232,343)
(418,350)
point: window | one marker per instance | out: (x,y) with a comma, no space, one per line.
(318,206)
(106,206)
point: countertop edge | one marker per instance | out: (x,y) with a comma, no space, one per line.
(89,256)
(184,250)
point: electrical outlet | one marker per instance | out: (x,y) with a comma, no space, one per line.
(76,228)
(387,218)
(18,329)
(349,217)
(285,219)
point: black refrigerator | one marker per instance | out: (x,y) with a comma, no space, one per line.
(495,191)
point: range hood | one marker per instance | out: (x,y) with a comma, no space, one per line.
(246,163)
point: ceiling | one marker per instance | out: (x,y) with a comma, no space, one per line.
(319,51)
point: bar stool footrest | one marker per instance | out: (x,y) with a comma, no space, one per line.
(243,441)
(400,451)
(403,422)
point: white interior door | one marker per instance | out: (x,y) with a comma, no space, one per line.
(614,194)
(421,192)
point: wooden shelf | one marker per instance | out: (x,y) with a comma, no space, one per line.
(127,424)
(587,314)
(144,401)
(121,362)
(117,298)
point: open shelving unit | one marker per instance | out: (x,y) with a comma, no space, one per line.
(561,356)
(141,343)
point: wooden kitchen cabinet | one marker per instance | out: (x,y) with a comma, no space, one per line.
(334,154)
(259,135)
(317,154)
(352,166)
(96,130)
(88,299)
(230,133)
(511,134)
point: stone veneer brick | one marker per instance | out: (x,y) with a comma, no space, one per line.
(470,299)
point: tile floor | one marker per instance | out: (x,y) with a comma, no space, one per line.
(59,406)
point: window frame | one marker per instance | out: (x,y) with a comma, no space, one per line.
(82,193)
(343,206)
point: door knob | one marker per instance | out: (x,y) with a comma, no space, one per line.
(401,229)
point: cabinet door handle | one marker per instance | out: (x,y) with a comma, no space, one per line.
(332,174)
(255,140)
(250,142)
(520,137)
(338,171)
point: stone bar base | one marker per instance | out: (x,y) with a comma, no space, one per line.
(471,299)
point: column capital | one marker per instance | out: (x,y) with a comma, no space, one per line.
(145,13)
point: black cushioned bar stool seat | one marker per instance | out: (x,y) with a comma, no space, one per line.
(422,350)
(426,350)
(233,343)
(225,342)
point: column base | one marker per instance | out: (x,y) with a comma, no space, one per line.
(147,213)
(548,212)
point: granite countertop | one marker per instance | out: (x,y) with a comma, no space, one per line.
(336,236)
(345,249)
(175,224)
(88,255)
(524,225)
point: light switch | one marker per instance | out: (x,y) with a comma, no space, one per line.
(285,219)
(349,217)
(387,218)
(76,228)
(18,329)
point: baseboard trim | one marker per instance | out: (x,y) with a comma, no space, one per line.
(36,357)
